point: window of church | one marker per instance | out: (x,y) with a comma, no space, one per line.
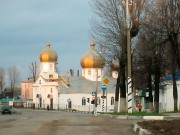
(51,66)
(51,90)
(83,101)
(112,100)
(39,81)
(89,72)
(50,76)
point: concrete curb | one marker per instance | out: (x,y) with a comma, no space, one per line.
(141,131)
(145,117)
(136,128)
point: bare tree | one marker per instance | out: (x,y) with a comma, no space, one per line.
(33,70)
(2,79)
(143,59)
(14,78)
(109,30)
(164,20)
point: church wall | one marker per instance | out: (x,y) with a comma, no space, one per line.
(166,97)
(170,100)
(47,67)
(76,102)
(162,100)
(91,73)
(46,93)
(49,75)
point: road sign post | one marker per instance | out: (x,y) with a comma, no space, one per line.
(106,81)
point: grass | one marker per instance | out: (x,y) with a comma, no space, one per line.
(173,112)
(137,113)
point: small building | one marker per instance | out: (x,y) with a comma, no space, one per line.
(26,90)
(11,92)
(166,99)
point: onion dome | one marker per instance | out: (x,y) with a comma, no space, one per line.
(48,55)
(92,59)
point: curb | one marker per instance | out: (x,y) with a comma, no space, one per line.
(136,128)
(141,131)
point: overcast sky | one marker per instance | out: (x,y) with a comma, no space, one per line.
(27,25)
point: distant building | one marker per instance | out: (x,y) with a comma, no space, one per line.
(10,93)
(166,100)
(27,90)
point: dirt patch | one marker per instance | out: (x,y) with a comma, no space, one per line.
(50,128)
(161,127)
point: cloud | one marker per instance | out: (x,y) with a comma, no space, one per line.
(27,25)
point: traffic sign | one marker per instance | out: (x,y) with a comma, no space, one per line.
(93,93)
(106,80)
(103,87)
(103,97)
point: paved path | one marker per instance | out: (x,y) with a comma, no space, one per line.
(42,122)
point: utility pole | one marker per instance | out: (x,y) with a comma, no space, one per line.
(95,107)
(129,76)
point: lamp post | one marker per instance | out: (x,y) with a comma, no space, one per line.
(95,107)
(129,76)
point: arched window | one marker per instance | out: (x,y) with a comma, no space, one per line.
(112,100)
(51,90)
(50,76)
(83,101)
(39,81)
(89,71)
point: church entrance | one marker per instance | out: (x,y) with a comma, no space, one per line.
(51,100)
(40,102)
(51,103)
(69,105)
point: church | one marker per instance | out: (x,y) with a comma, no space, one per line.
(70,92)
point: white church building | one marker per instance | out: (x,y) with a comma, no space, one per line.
(46,88)
(71,92)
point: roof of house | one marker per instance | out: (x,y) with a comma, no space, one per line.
(78,84)
(170,76)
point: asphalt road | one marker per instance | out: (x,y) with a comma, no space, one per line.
(42,122)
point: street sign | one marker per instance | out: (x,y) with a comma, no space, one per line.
(68,100)
(147,94)
(104,87)
(93,93)
(106,80)
(103,97)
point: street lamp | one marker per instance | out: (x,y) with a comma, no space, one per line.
(95,107)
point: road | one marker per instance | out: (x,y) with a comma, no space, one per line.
(42,122)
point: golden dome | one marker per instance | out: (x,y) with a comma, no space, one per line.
(92,59)
(48,55)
